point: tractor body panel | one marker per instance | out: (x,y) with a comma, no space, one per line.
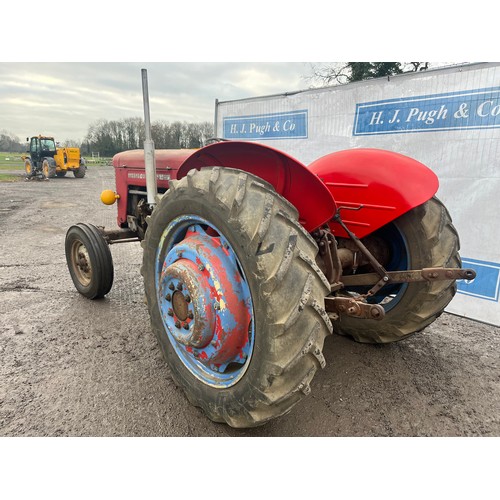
(131,176)
(374,186)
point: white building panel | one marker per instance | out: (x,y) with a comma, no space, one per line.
(449,119)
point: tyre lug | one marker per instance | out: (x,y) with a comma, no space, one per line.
(190,315)
(201,267)
(185,326)
(179,286)
(168,297)
(171,286)
(177,324)
(170,312)
(187,298)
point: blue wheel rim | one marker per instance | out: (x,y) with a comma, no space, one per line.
(390,295)
(204,300)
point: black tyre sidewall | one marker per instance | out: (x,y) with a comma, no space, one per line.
(244,390)
(100,259)
(230,404)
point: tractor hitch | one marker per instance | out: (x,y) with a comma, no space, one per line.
(352,307)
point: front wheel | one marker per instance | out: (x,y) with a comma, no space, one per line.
(49,168)
(423,237)
(89,260)
(234,295)
(28,168)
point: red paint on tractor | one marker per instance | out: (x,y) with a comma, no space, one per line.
(130,171)
(290,178)
(384,183)
(208,280)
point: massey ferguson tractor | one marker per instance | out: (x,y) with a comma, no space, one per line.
(251,259)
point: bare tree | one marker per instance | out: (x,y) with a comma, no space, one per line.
(346,72)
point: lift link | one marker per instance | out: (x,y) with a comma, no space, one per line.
(429,274)
(383,277)
(328,251)
(352,307)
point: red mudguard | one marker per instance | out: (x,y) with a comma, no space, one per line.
(290,178)
(383,183)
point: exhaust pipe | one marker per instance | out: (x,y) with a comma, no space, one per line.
(149,147)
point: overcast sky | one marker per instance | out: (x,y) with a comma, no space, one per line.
(63,99)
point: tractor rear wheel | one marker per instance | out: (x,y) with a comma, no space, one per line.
(89,260)
(234,295)
(423,237)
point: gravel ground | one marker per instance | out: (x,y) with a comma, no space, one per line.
(73,367)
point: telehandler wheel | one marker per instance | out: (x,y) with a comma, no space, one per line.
(28,168)
(424,237)
(79,173)
(61,173)
(49,168)
(235,297)
(89,260)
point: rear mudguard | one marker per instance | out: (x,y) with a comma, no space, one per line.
(383,185)
(378,186)
(290,178)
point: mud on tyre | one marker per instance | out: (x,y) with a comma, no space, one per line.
(423,237)
(234,295)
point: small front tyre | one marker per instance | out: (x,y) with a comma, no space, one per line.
(89,260)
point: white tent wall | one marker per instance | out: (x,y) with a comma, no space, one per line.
(448,119)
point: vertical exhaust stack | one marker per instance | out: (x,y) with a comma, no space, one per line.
(149,147)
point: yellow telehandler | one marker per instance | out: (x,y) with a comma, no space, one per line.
(46,160)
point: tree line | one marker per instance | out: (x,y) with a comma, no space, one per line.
(10,143)
(108,137)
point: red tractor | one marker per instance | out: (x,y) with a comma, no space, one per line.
(251,259)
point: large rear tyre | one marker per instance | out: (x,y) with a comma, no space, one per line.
(234,296)
(423,237)
(89,260)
